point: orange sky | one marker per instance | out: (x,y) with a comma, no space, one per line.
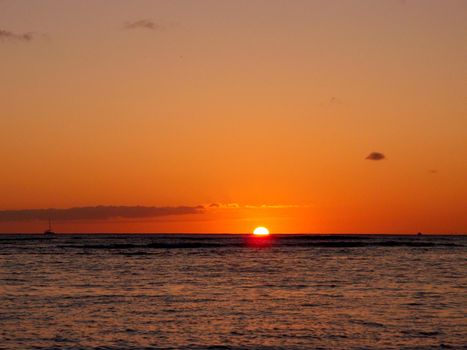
(259,103)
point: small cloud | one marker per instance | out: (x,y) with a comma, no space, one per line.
(376,156)
(335,101)
(224,206)
(7,35)
(143,24)
(252,206)
(275,206)
(433,171)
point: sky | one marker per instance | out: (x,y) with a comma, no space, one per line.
(304,116)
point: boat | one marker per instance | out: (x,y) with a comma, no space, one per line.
(49,231)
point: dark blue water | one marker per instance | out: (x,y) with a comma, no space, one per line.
(233,292)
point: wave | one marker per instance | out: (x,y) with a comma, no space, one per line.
(265,243)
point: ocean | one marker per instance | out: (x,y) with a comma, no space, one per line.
(233,292)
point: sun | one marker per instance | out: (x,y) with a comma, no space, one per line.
(261,231)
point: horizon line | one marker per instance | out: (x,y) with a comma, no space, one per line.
(242,233)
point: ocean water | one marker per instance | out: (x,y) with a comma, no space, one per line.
(233,292)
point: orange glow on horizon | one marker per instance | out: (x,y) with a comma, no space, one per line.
(347,128)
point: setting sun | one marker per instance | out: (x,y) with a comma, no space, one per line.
(261,231)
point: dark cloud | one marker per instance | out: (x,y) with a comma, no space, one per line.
(143,24)
(6,35)
(433,171)
(376,156)
(96,213)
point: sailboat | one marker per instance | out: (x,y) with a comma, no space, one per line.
(49,231)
